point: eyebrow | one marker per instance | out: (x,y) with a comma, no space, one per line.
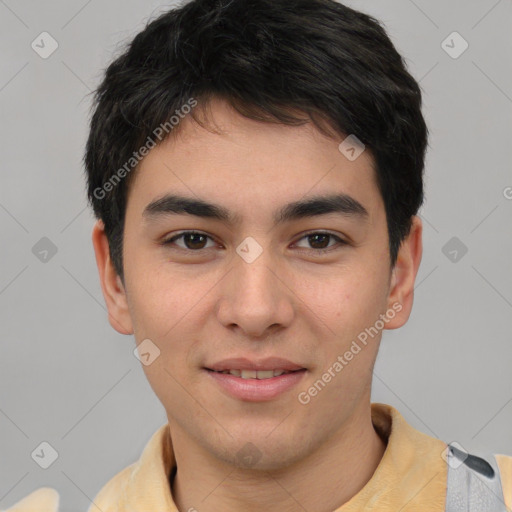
(172,204)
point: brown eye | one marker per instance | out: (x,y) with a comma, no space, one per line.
(319,242)
(319,239)
(192,240)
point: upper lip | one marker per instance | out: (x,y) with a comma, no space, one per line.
(242,363)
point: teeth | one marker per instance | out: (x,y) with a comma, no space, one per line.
(254,374)
(267,374)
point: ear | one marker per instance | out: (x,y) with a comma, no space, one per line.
(403,275)
(111,284)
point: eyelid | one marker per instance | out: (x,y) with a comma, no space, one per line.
(321,232)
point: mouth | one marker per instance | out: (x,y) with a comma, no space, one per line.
(256,374)
(256,385)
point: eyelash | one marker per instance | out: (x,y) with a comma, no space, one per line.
(340,241)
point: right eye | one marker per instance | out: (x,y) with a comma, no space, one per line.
(191,239)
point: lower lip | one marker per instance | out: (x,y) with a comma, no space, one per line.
(256,390)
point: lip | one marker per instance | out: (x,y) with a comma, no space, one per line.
(256,390)
(242,363)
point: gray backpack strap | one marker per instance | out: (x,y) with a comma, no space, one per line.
(474,483)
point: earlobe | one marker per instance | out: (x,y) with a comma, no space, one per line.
(111,284)
(403,276)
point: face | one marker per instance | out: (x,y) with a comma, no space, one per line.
(252,285)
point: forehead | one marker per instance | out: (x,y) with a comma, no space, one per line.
(247,162)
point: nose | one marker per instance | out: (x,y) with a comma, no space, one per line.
(256,297)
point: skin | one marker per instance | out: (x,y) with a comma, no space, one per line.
(205,307)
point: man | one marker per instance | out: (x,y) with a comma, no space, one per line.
(256,170)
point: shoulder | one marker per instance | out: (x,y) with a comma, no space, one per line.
(111,495)
(505,466)
(44,499)
(121,492)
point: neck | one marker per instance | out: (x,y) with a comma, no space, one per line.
(323,481)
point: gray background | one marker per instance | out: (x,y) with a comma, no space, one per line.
(66,377)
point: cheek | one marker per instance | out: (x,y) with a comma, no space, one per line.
(161,302)
(346,301)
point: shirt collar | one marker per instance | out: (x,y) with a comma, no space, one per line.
(412,473)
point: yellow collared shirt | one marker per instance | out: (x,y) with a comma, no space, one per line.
(411,476)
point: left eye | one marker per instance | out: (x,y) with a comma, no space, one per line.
(318,236)
(194,241)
